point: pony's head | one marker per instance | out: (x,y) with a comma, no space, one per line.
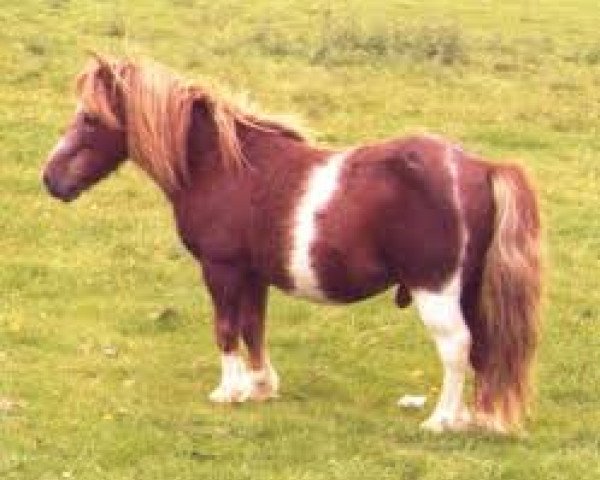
(95,141)
(142,110)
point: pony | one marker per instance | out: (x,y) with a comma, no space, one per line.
(257,204)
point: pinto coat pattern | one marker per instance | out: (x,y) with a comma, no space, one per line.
(258,205)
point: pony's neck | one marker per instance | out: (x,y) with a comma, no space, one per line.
(203,144)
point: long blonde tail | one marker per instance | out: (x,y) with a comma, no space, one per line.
(509,301)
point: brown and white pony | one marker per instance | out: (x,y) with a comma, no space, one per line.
(257,205)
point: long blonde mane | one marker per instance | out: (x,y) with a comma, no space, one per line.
(154,106)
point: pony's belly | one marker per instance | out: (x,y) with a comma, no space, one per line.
(340,293)
(336,290)
(316,296)
(349,273)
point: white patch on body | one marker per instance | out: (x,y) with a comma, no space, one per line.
(452,165)
(320,187)
(441,313)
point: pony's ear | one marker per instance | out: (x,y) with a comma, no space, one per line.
(104,67)
(101,60)
(97,87)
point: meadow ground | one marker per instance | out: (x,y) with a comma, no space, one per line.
(106,352)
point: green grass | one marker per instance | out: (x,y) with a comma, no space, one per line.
(106,352)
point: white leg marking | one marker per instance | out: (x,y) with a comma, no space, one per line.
(235,383)
(239,384)
(265,382)
(442,315)
(320,187)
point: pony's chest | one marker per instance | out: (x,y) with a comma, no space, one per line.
(212,223)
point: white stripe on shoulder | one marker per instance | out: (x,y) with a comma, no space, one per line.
(453,169)
(319,188)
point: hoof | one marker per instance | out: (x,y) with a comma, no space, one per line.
(239,384)
(263,392)
(265,384)
(223,394)
(256,392)
(491,423)
(434,425)
(438,424)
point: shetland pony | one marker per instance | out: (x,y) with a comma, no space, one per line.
(257,205)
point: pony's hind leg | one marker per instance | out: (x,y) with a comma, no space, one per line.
(441,313)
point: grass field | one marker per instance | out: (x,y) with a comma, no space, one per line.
(106,351)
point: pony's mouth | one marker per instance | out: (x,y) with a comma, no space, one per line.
(68,197)
(60,192)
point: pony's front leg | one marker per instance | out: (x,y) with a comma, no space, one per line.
(263,378)
(225,283)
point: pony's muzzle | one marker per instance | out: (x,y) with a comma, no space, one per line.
(58,189)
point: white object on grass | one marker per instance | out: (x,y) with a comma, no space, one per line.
(412,401)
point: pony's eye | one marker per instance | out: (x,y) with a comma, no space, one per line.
(90,119)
